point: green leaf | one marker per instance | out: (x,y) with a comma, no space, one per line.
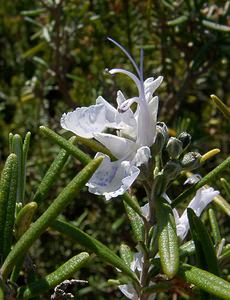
(2,297)
(214,226)
(126,254)
(17,149)
(205,251)
(136,223)
(177,21)
(8,190)
(52,174)
(57,206)
(167,238)
(132,202)
(222,204)
(187,248)
(64,272)
(25,149)
(95,146)
(31,52)
(216,26)
(205,281)
(221,106)
(213,175)
(63,143)
(24,218)
(94,245)
(226,187)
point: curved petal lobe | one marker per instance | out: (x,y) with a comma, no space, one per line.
(118,146)
(85,121)
(112,179)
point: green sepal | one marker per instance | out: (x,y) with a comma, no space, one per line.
(167,238)
(206,281)
(57,206)
(94,245)
(8,194)
(205,252)
(64,272)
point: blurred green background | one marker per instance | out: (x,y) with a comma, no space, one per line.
(53,59)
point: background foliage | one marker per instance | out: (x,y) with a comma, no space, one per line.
(53,58)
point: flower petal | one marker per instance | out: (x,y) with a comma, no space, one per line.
(142,156)
(112,179)
(145,210)
(119,146)
(150,85)
(202,198)
(129,291)
(85,121)
(193,179)
(137,263)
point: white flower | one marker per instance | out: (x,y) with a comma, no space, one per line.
(202,198)
(136,132)
(128,289)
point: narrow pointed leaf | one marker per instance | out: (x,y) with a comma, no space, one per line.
(94,145)
(64,272)
(206,281)
(226,187)
(52,174)
(204,247)
(25,149)
(221,106)
(40,225)
(132,202)
(80,155)
(136,223)
(167,238)
(10,208)
(94,245)
(17,149)
(187,248)
(216,26)
(214,225)
(8,186)
(126,254)
(24,218)
(222,204)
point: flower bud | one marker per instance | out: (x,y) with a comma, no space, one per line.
(174,147)
(172,169)
(161,138)
(185,138)
(191,161)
